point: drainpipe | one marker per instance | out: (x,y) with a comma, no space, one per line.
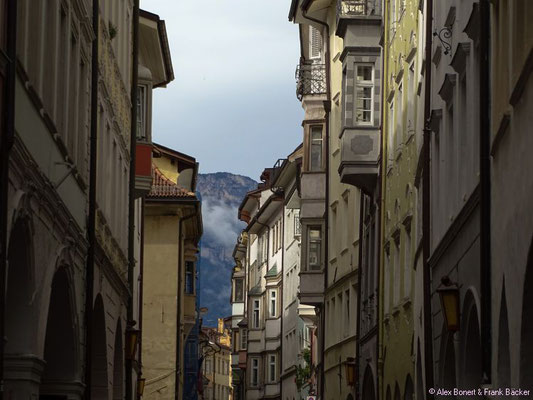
(281,294)
(91,220)
(359,296)
(485,185)
(141,289)
(327,107)
(8,134)
(131,199)
(426,207)
(179,296)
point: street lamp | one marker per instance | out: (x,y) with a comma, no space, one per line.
(449,302)
(349,366)
(132,336)
(140,386)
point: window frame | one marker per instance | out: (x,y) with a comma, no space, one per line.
(189,278)
(256,320)
(254,369)
(272,363)
(273,302)
(364,84)
(142,112)
(236,292)
(320,166)
(310,241)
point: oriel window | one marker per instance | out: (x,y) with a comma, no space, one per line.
(141,112)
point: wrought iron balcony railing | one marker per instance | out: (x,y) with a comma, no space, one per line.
(310,79)
(350,8)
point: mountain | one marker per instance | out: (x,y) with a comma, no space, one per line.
(221,193)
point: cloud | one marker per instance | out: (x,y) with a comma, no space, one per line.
(221,226)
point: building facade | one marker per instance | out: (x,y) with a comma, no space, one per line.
(66,328)
(401,77)
(173,227)
(511,51)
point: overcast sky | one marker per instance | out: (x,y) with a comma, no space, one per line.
(232,104)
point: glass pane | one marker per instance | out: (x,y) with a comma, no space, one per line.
(364,73)
(316,157)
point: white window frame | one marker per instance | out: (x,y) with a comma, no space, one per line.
(364,84)
(297,224)
(244,339)
(320,144)
(254,380)
(314,35)
(142,107)
(272,363)
(273,303)
(319,262)
(256,313)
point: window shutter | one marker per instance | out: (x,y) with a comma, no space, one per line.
(315,42)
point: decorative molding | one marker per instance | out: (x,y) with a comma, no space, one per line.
(446,89)
(459,58)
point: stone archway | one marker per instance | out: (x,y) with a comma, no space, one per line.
(526,341)
(22,366)
(388,395)
(504,359)
(369,392)
(118,365)
(408,392)
(419,376)
(471,374)
(447,356)
(397,393)
(60,347)
(99,376)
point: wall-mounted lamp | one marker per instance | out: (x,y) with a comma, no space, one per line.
(349,366)
(140,386)
(450,303)
(132,337)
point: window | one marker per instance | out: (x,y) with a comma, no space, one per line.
(238,290)
(262,249)
(396,269)
(407,265)
(254,379)
(390,133)
(273,303)
(347,313)
(255,315)
(141,112)
(398,135)
(364,95)
(411,100)
(297,224)
(189,277)
(316,148)
(272,368)
(315,43)
(315,248)
(244,339)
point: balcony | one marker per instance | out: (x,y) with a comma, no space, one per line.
(310,79)
(311,288)
(360,157)
(143,168)
(357,12)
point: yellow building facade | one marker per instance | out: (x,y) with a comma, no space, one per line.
(173,227)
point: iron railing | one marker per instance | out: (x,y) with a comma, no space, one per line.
(349,8)
(310,79)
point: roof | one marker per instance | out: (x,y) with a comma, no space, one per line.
(162,187)
(272,272)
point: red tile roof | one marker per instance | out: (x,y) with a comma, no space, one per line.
(162,187)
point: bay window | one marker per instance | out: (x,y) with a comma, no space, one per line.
(189,277)
(273,303)
(272,367)
(238,290)
(141,112)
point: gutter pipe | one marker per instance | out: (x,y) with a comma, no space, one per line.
(327,108)
(426,207)
(131,199)
(7,138)
(485,186)
(91,220)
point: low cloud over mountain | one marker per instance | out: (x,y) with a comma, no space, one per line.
(221,193)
